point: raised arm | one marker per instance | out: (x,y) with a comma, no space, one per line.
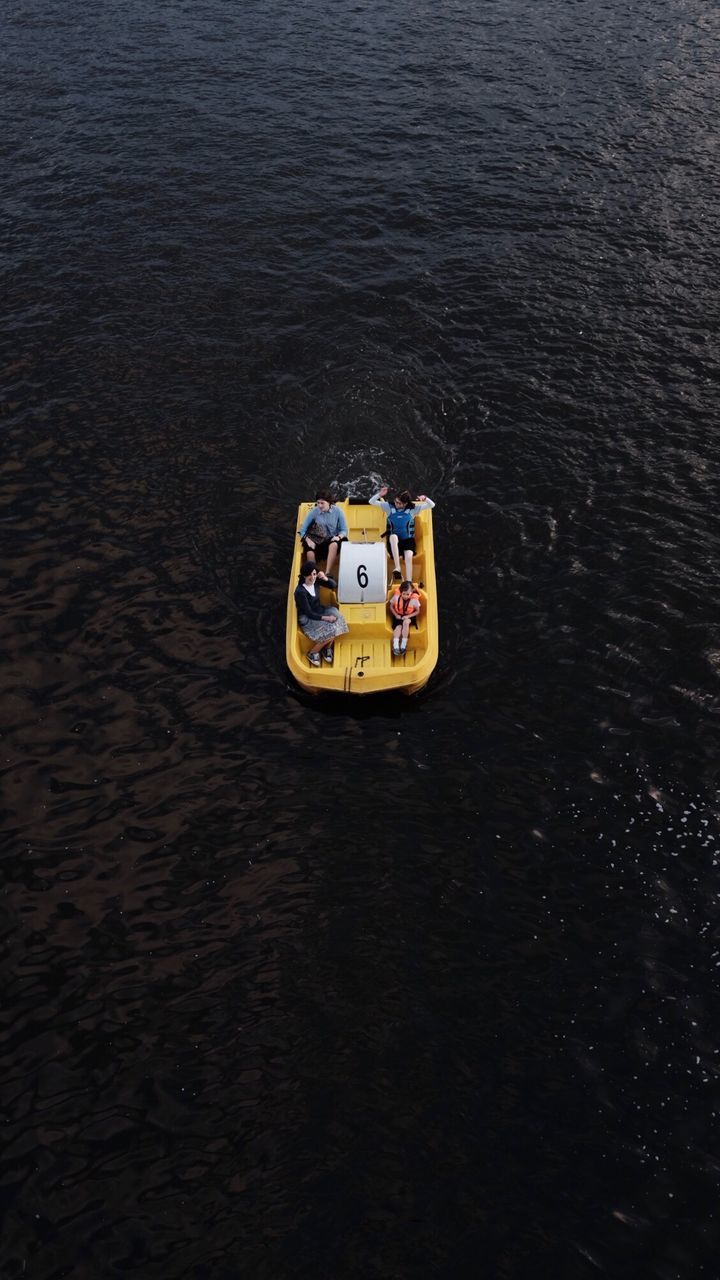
(377,500)
(423,503)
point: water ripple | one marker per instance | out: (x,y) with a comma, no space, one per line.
(298,988)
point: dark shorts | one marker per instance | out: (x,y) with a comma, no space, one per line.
(321,548)
(397,622)
(404,544)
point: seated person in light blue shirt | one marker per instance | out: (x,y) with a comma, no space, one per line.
(323,529)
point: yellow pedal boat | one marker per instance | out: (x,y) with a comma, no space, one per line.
(364,661)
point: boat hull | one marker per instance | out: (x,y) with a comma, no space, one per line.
(364,663)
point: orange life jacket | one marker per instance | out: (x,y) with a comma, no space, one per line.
(400,604)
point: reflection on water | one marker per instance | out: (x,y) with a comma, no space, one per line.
(303,988)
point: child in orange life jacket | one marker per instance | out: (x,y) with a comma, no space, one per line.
(404,606)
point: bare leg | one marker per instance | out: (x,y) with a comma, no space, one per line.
(323,644)
(310,553)
(331,558)
(393,543)
(408,565)
(405,634)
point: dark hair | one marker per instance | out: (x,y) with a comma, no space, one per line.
(324,495)
(405,498)
(406,585)
(306,569)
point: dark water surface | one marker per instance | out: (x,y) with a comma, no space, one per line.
(391,988)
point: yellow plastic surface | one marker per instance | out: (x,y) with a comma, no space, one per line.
(364,662)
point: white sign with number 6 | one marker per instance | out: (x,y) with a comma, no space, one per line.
(363,573)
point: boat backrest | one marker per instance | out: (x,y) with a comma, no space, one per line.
(362,578)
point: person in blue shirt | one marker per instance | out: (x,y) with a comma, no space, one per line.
(401,525)
(322,530)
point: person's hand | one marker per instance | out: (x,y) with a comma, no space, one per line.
(383,492)
(328,617)
(422,497)
(322,574)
